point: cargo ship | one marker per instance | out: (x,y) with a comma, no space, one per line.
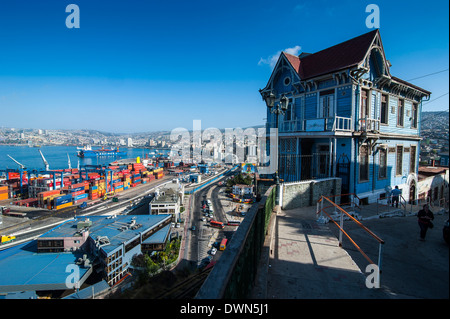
(89,152)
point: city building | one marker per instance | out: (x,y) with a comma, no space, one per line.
(346,116)
(242,190)
(100,244)
(433,185)
(168,200)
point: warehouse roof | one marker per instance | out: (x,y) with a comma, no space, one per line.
(30,271)
(47,271)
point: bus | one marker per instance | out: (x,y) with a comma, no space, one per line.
(233,223)
(214,223)
(223,244)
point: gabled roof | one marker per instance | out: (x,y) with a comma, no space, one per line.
(341,56)
(348,54)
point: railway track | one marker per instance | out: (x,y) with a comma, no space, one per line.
(187,289)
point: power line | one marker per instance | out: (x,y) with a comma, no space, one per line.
(423,76)
(426,102)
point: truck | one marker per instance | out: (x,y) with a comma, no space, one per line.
(83,205)
(4,210)
(6,239)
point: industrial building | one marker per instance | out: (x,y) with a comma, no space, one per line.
(100,244)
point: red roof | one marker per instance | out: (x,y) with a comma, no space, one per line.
(337,57)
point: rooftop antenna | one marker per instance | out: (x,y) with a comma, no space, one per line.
(45,161)
(21,165)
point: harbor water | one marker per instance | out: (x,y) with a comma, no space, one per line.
(56,156)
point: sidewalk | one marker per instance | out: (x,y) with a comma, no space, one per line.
(305,261)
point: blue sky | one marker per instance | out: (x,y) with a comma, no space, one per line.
(143,65)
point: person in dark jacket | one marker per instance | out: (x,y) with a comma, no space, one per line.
(424,217)
(396,192)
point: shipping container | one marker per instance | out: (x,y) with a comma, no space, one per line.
(80,201)
(63,205)
(74,194)
(82,196)
(62,200)
(77,189)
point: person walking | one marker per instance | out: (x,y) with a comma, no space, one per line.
(396,196)
(424,217)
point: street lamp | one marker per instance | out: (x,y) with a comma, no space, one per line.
(278,109)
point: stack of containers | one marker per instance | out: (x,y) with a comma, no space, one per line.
(62,201)
(4,193)
(30,202)
(80,198)
(135,179)
(43,196)
(93,192)
(50,201)
(126,180)
(158,173)
(101,188)
(118,187)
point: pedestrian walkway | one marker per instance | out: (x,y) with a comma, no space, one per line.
(304,260)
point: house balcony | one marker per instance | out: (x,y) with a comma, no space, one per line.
(368,124)
(329,124)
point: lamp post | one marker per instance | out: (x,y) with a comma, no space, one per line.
(277,109)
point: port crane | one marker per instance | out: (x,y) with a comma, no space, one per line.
(21,170)
(68,159)
(45,161)
(20,165)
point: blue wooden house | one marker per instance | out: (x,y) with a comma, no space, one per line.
(347,117)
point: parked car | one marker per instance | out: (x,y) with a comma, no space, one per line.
(213,251)
(193,227)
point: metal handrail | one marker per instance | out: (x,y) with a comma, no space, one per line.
(341,228)
(389,203)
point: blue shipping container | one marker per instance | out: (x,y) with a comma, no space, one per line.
(118,186)
(76,189)
(63,200)
(94,187)
(80,197)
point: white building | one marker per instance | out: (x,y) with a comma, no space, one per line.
(242,190)
(168,200)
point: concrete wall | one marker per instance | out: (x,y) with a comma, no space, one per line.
(306,193)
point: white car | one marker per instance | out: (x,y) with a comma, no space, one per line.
(213,251)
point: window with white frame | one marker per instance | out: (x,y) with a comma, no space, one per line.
(326,104)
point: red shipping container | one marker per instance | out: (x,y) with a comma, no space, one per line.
(78,193)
